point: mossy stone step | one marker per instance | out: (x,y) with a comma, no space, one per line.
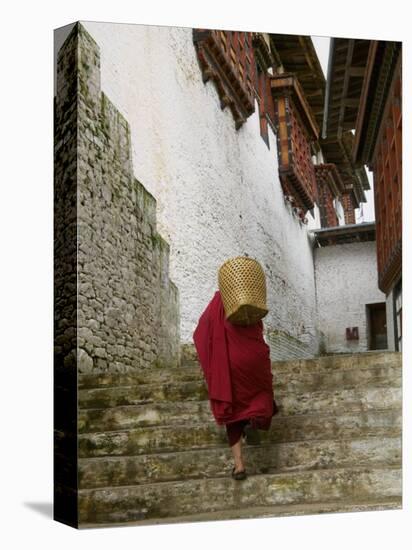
(322,368)
(217,462)
(363,398)
(191,435)
(372,375)
(176,498)
(340,362)
(138,377)
(146,393)
(109,396)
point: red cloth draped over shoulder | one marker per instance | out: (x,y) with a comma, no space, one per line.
(236,365)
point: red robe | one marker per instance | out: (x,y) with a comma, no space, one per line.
(236,364)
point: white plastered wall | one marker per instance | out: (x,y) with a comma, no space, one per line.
(346,281)
(217,188)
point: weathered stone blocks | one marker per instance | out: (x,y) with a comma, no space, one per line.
(120,308)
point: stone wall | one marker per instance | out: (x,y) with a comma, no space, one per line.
(128,308)
(346,281)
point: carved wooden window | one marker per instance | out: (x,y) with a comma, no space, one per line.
(387,172)
(348,204)
(297,128)
(227,58)
(329,185)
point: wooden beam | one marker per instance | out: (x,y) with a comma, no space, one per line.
(357,71)
(349,56)
(315,93)
(305,74)
(348,125)
(373,46)
(291,51)
(351,102)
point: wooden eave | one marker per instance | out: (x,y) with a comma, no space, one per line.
(263,55)
(288,85)
(361,181)
(298,55)
(345,234)
(338,152)
(346,72)
(382,60)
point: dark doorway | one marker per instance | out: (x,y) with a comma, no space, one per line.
(397,307)
(378,338)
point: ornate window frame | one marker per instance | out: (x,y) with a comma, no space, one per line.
(297,129)
(227,58)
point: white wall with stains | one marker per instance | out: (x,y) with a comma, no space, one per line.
(217,188)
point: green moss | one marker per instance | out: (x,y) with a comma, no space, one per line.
(157,240)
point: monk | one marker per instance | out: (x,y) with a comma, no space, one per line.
(235,361)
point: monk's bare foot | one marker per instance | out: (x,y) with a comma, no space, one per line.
(237,455)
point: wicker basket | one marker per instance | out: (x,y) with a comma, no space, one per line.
(242,286)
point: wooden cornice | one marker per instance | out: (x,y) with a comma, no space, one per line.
(216,66)
(381,65)
(364,94)
(263,55)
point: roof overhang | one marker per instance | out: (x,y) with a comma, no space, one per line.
(339,152)
(346,71)
(383,59)
(345,234)
(296,54)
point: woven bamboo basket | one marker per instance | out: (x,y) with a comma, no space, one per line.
(242,286)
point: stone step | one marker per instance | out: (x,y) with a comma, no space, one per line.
(285,383)
(249,512)
(331,362)
(196,435)
(334,366)
(371,375)
(97,398)
(145,376)
(177,498)
(344,361)
(125,415)
(217,462)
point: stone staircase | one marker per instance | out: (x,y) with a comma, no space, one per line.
(151,452)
